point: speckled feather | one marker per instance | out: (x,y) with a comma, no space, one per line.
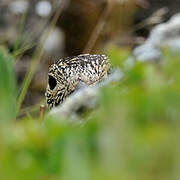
(65,75)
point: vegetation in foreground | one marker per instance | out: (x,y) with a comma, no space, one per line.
(132,134)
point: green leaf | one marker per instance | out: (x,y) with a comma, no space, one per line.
(7,87)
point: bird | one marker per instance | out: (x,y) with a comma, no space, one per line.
(67,74)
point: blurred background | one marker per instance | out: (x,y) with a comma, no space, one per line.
(131,134)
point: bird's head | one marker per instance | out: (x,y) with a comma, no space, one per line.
(56,87)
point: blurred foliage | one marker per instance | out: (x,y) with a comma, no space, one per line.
(132,134)
(7,86)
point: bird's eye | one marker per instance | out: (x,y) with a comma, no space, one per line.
(52,82)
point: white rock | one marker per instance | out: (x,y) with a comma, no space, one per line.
(54,42)
(19,7)
(43,8)
(163,35)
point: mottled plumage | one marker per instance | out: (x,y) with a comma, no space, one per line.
(65,75)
